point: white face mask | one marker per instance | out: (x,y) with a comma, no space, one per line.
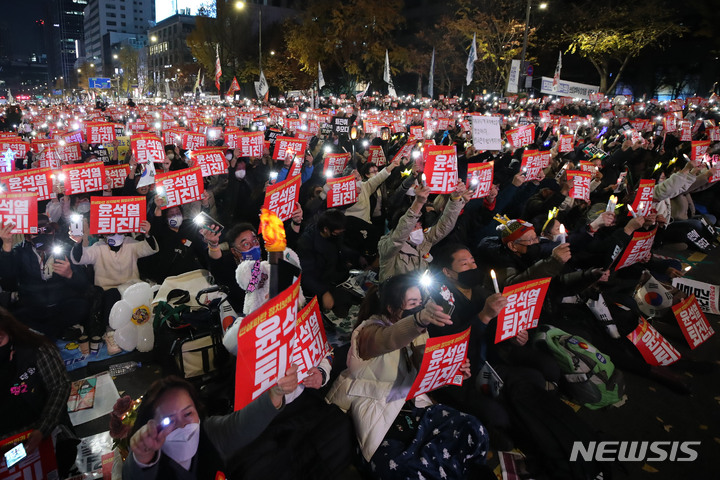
(182,443)
(417,236)
(240,174)
(116,239)
(228,156)
(174,221)
(83,207)
(53,211)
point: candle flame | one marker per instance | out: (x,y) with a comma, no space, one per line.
(492,274)
(272,231)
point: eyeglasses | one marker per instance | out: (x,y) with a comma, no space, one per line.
(530,241)
(246,245)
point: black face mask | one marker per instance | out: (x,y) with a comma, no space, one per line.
(43,240)
(532,253)
(412,311)
(5,352)
(470,278)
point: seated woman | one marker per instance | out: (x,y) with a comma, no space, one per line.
(35,389)
(403,439)
(168,421)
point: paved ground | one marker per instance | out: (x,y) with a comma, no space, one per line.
(652,412)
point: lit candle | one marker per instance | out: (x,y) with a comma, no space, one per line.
(494,279)
(632,212)
(562,236)
(611,204)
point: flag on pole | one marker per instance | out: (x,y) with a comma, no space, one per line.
(218,68)
(10,98)
(556,78)
(261,87)
(167,90)
(360,96)
(234,87)
(197,81)
(386,76)
(472,58)
(321,79)
(431,78)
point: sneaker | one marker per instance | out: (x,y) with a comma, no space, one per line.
(112,347)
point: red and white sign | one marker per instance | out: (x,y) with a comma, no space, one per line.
(441,363)
(377,156)
(37,180)
(99,132)
(440,170)
(281,197)
(643,197)
(532,164)
(20,209)
(311,344)
(116,175)
(147,148)
(265,345)
(416,133)
(180,187)
(16,145)
(335,163)
(685,131)
(587,166)
(480,177)
(565,143)
(523,308)
(84,177)
(69,153)
(193,141)
(211,160)
(343,191)
(698,149)
(522,136)
(116,214)
(692,321)
(580,184)
(289,147)
(638,250)
(38,465)
(250,144)
(173,136)
(652,346)
(405,151)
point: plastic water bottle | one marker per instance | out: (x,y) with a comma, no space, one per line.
(123,368)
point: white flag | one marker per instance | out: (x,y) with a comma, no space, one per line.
(261,87)
(387,78)
(360,96)
(197,81)
(556,78)
(431,78)
(167,90)
(10,99)
(321,79)
(472,58)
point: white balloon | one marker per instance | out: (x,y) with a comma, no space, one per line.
(138,294)
(145,337)
(120,314)
(127,337)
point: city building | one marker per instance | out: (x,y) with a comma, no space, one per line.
(167,49)
(66,43)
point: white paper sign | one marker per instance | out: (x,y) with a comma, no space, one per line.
(486,133)
(514,76)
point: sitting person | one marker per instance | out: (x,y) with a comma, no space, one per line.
(398,438)
(171,439)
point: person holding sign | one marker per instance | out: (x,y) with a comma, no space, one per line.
(400,439)
(171,439)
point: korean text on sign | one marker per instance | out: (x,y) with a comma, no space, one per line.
(343,191)
(523,308)
(211,161)
(441,363)
(638,250)
(288,146)
(520,137)
(480,177)
(147,148)
(335,163)
(265,345)
(21,210)
(83,178)
(281,197)
(116,214)
(116,175)
(38,180)
(692,322)
(100,133)
(250,144)
(441,168)
(707,295)
(181,186)
(643,198)
(652,346)
(311,344)
(532,164)
(580,184)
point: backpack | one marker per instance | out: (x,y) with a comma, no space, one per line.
(589,376)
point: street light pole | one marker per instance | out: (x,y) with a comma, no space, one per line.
(523,68)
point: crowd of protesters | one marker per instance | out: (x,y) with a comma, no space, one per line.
(398,229)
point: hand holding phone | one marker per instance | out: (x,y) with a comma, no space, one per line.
(15,454)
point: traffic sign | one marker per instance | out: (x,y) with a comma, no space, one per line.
(530,69)
(98,82)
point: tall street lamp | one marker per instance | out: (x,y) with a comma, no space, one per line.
(523,67)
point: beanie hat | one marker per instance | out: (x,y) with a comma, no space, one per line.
(511,230)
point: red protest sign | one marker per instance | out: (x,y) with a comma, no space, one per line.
(692,321)
(265,345)
(335,163)
(311,344)
(580,184)
(480,177)
(565,143)
(173,136)
(643,197)
(180,187)
(38,180)
(99,132)
(84,178)
(147,148)
(532,164)
(698,149)
(377,156)
(281,197)
(441,363)
(250,144)
(69,153)
(522,136)
(715,165)
(416,132)
(440,168)
(116,175)
(192,140)
(289,147)
(586,166)
(405,151)
(523,308)
(74,137)
(116,214)
(37,465)
(652,346)
(343,191)
(713,133)
(637,250)
(214,133)
(39,144)
(20,209)
(685,131)
(211,160)
(16,145)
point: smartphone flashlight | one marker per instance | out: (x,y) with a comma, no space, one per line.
(14,455)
